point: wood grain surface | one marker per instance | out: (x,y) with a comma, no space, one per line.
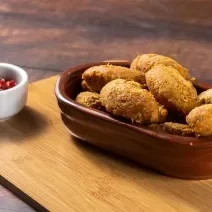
(59,34)
(40,158)
(48,36)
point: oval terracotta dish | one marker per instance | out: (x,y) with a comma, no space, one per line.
(176,156)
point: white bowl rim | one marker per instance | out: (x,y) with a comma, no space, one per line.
(23,74)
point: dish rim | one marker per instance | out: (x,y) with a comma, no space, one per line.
(193,142)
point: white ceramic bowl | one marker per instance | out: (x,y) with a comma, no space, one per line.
(13,100)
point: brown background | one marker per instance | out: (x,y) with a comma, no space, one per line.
(53,35)
(47,36)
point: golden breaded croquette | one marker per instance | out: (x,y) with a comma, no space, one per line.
(200,120)
(145,62)
(171,89)
(85,86)
(89,99)
(206,97)
(128,100)
(173,128)
(97,77)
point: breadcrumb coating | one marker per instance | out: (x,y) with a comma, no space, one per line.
(97,77)
(145,62)
(85,87)
(200,120)
(206,97)
(174,128)
(127,99)
(171,89)
(89,99)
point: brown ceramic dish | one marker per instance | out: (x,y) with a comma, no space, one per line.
(176,156)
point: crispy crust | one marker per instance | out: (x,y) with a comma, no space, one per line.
(145,62)
(174,128)
(128,100)
(206,97)
(98,76)
(171,89)
(200,120)
(89,99)
(85,86)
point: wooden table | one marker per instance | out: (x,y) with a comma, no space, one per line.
(47,37)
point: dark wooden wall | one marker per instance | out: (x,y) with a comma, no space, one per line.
(52,35)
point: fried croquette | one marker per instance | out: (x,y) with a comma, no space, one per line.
(174,128)
(171,89)
(145,62)
(85,86)
(97,77)
(206,97)
(89,99)
(200,120)
(128,100)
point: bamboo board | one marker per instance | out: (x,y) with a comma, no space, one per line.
(40,159)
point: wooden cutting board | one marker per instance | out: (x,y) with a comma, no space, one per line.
(39,158)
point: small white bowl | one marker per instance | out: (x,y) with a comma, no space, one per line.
(13,100)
